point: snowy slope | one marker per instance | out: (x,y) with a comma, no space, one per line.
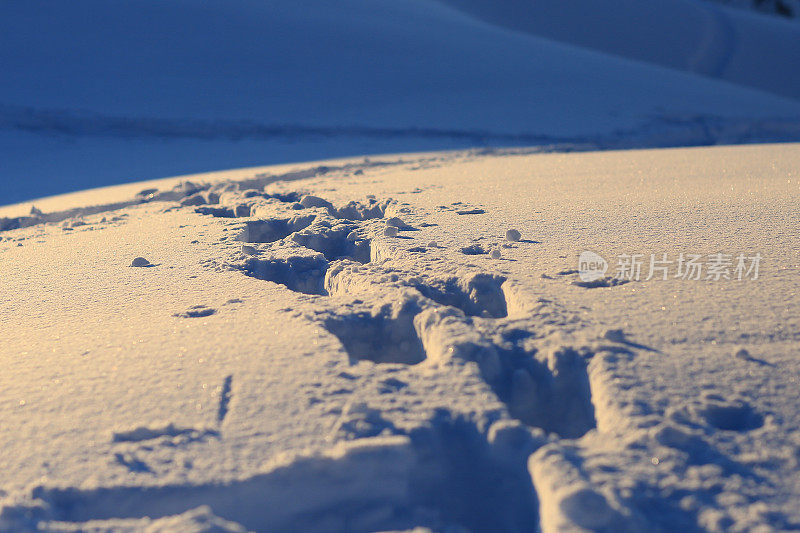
(789,9)
(294,366)
(688,35)
(93,92)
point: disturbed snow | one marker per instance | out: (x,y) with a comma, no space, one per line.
(255,351)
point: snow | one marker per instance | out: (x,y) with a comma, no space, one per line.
(513,235)
(96,93)
(543,310)
(783,8)
(713,40)
(140,262)
(285,367)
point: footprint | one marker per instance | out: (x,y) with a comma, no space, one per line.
(475,294)
(383,335)
(298,273)
(715,411)
(264,231)
(338,239)
(728,415)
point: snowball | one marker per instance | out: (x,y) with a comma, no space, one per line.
(396,222)
(140,262)
(249,250)
(495,253)
(433,244)
(513,235)
(390,231)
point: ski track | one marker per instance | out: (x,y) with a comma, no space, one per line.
(449,471)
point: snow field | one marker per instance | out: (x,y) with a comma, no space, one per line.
(404,384)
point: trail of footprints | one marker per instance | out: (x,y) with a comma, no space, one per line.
(456,470)
(396,315)
(453,470)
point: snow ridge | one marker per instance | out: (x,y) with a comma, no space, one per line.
(655,131)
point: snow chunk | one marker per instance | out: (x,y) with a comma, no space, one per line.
(141,262)
(195,199)
(396,222)
(314,201)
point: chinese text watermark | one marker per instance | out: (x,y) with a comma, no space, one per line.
(645,267)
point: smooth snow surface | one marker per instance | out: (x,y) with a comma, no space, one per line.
(790,9)
(689,35)
(276,362)
(94,92)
